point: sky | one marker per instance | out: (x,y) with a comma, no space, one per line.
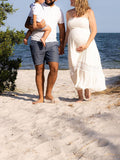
(106,12)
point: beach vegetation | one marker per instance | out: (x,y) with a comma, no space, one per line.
(8,39)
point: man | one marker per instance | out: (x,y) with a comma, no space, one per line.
(49,53)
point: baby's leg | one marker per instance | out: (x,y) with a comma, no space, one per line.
(47,31)
(27,36)
(25,41)
(45,28)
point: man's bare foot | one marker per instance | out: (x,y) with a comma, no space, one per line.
(43,41)
(50,98)
(38,101)
(25,41)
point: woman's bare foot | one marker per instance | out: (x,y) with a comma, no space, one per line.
(38,101)
(87,94)
(80,95)
(79,101)
(25,41)
(43,41)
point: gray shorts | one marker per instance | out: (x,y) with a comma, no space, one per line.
(41,54)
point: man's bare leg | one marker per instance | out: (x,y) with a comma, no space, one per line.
(52,76)
(40,82)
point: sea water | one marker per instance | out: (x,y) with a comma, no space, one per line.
(108,45)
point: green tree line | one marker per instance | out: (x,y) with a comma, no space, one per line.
(8,39)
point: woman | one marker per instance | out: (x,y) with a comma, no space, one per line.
(84,60)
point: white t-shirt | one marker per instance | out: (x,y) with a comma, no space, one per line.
(53,17)
(37,9)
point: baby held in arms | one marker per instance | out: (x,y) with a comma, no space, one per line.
(37,21)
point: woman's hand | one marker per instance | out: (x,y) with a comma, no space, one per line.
(61,50)
(93,29)
(82,48)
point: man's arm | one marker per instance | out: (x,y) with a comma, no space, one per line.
(67,31)
(62,38)
(27,23)
(39,25)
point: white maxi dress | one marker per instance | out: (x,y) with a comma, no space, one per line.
(85,67)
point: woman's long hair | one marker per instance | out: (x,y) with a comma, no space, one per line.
(81,6)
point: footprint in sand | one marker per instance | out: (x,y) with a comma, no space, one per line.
(102,142)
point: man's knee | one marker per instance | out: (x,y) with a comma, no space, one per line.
(53,67)
(39,69)
(54,70)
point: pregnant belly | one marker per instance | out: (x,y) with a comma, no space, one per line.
(79,36)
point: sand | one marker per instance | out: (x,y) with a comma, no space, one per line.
(64,130)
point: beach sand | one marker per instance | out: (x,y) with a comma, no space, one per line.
(64,130)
